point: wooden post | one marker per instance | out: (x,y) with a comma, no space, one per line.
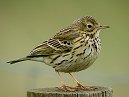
(55,92)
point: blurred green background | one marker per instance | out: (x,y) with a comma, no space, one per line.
(26,23)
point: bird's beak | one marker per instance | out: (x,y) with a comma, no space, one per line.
(103,27)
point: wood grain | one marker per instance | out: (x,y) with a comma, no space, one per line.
(56,92)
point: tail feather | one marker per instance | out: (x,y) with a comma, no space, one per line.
(18,60)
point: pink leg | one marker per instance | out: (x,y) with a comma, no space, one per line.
(65,87)
(80,86)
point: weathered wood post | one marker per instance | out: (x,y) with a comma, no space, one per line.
(55,92)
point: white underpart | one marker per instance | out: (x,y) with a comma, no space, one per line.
(39,59)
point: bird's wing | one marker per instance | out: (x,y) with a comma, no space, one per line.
(68,33)
(60,43)
(50,47)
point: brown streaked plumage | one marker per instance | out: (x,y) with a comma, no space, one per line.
(72,49)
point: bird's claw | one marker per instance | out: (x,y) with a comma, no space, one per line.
(81,87)
(68,89)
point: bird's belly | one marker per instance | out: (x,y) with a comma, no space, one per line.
(82,59)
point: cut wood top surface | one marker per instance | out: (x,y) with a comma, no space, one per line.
(56,92)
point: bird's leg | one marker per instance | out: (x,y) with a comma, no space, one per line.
(80,86)
(61,81)
(65,87)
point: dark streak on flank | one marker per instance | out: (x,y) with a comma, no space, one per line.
(71,57)
(84,51)
(77,47)
(75,61)
(65,55)
(86,42)
(82,41)
(54,66)
(88,64)
(62,62)
(79,54)
(87,56)
(73,52)
(70,61)
(54,59)
(91,49)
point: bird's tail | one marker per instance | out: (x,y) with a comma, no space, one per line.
(18,60)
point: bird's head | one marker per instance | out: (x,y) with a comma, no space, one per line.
(89,25)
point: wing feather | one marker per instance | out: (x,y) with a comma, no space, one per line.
(60,43)
(50,47)
(68,33)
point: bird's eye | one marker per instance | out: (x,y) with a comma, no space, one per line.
(89,26)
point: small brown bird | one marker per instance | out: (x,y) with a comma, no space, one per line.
(72,49)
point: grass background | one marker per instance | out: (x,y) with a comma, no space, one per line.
(26,23)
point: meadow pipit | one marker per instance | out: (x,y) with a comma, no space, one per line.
(72,49)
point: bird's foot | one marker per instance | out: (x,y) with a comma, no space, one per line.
(81,87)
(68,89)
